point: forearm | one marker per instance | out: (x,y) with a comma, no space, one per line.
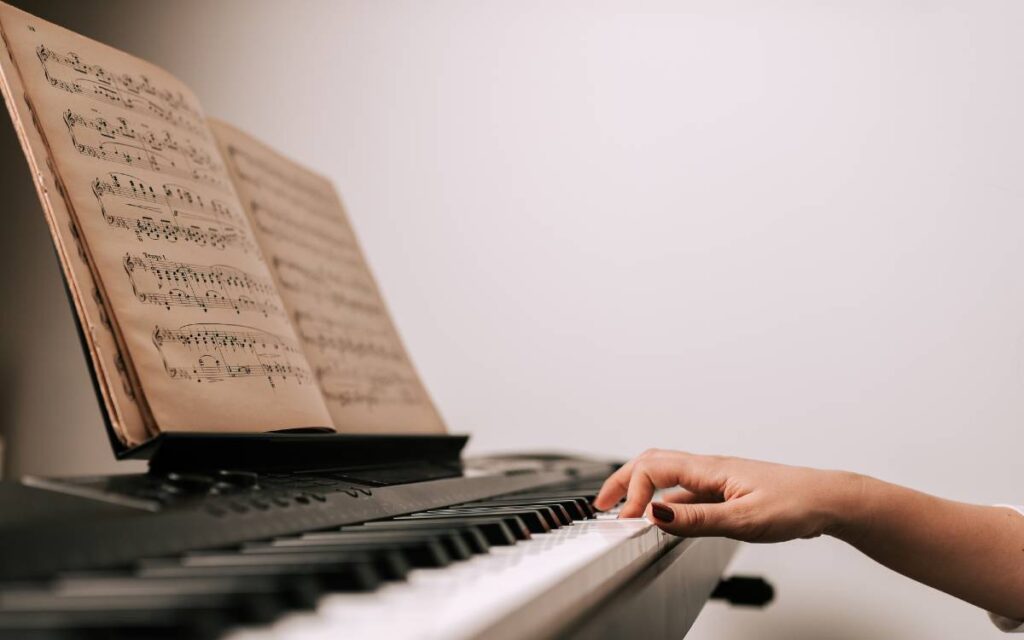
(972,552)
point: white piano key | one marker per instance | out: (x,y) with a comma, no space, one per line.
(530,588)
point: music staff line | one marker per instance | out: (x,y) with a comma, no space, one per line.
(177,199)
(369,388)
(215,352)
(120,89)
(306,196)
(125,201)
(156,280)
(295,181)
(304,241)
(122,142)
(310,231)
(328,287)
(346,339)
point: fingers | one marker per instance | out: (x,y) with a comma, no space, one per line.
(654,469)
(641,489)
(614,487)
(685,496)
(697,520)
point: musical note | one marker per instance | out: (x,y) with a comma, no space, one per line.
(370,388)
(179,200)
(347,339)
(213,352)
(291,186)
(304,236)
(125,201)
(322,284)
(134,92)
(362,369)
(122,141)
(157,280)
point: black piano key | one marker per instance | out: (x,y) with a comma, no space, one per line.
(355,575)
(497,531)
(534,522)
(120,624)
(390,563)
(562,515)
(537,520)
(584,499)
(248,608)
(295,592)
(515,523)
(419,553)
(589,496)
(575,508)
(450,539)
(474,538)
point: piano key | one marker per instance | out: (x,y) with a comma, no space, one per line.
(561,514)
(358,575)
(545,512)
(422,553)
(115,625)
(576,507)
(498,531)
(247,608)
(471,535)
(535,521)
(525,590)
(584,503)
(389,563)
(588,496)
(300,592)
(515,523)
(450,539)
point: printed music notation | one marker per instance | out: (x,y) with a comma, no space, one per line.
(347,340)
(166,213)
(179,200)
(322,284)
(292,187)
(323,243)
(134,92)
(136,144)
(369,388)
(217,352)
(159,281)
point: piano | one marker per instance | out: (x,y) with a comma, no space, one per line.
(309,536)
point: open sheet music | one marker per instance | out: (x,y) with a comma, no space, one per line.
(219,285)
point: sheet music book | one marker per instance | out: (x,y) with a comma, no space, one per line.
(219,285)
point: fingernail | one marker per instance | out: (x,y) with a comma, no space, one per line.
(662,512)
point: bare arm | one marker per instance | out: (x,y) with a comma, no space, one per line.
(973,552)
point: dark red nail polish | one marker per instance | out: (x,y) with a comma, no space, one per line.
(662,512)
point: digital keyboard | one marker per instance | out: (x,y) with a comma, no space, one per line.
(505,547)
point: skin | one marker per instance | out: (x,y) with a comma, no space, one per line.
(973,552)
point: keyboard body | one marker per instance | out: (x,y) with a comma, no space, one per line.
(503,547)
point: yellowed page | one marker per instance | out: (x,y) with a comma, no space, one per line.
(125,411)
(189,292)
(368,381)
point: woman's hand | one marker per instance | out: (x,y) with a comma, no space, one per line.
(972,552)
(732,497)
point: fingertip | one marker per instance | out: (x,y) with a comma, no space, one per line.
(630,511)
(663,513)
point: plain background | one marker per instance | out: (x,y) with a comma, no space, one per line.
(790,232)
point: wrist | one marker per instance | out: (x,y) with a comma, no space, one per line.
(850,505)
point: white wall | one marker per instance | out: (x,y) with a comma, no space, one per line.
(789,231)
